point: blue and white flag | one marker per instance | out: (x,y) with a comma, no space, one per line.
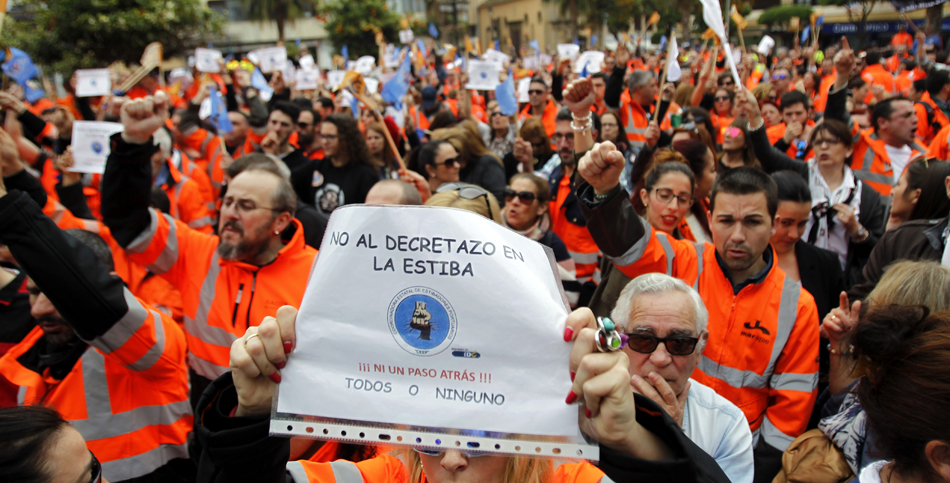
(433,32)
(260,83)
(19,67)
(805,33)
(345,52)
(397,87)
(505,95)
(219,113)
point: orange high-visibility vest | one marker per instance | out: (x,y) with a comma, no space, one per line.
(185,200)
(548,117)
(127,395)
(940,147)
(634,120)
(871,163)
(571,228)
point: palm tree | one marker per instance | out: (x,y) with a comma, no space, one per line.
(280,11)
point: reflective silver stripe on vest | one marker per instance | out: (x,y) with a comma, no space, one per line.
(101,423)
(155,352)
(668,249)
(635,252)
(122,331)
(700,250)
(346,472)
(874,177)
(200,222)
(198,327)
(794,382)
(143,464)
(21,395)
(144,239)
(297,472)
(169,255)
(584,258)
(773,436)
(606,479)
(787,314)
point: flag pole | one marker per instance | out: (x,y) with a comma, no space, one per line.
(666,69)
(741,38)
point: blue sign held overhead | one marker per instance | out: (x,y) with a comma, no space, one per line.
(433,32)
(345,52)
(505,95)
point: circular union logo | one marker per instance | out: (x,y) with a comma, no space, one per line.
(96,147)
(422,321)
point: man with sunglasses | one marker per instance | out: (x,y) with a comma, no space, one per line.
(762,352)
(665,321)
(307,129)
(781,80)
(540,105)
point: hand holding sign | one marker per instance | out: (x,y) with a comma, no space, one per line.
(256,359)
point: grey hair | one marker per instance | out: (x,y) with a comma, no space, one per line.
(653,284)
(639,78)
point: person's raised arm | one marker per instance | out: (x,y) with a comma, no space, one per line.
(13,173)
(771,158)
(579,96)
(614,88)
(836,108)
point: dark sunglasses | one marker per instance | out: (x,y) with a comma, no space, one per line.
(468,192)
(536,92)
(437,453)
(303,125)
(677,346)
(449,163)
(96,470)
(779,77)
(526,197)
(721,98)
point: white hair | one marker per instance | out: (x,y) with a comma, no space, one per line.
(654,284)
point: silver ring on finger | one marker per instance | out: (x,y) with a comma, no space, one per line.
(251,337)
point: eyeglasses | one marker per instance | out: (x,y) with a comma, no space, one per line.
(557,137)
(826,142)
(328,137)
(526,197)
(721,98)
(466,453)
(96,468)
(538,146)
(666,195)
(468,192)
(496,113)
(677,346)
(733,132)
(243,206)
(535,92)
(303,125)
(727,82)
(779,77)
(608,124)
(449,163)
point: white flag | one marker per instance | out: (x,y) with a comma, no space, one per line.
(365,64)
(673,71)
(712,14)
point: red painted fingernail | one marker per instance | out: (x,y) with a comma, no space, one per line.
(275,377)
(280,365)
(568,334)
(588,413)
(288,346)
(571,397)
(573,375)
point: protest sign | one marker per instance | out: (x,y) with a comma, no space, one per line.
(568,51)
(93,82)
(90,145)
(271,59)
(206,60)
(306,61)
(372,85)
(448,304)
(765,45)
(365,64)
(492,55)
(524,85)
(307,78)
(334,78)
(391,56)
(482,75)
(590,60)
(531,62)
(406,36)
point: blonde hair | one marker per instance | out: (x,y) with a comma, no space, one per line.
(518,469)
(466,139)
(453,199)
(762,91)
(913,283)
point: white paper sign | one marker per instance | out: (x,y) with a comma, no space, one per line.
(568,51)
(365,64)
(482,75)
(289,72)
(206,60)
(93,82)
(372,85)
(391,56)
(306,61)
(204,110)
(307,78)
(90,145)
(765,45)
(406,36)
(531,62)
(524,85)
(436,338)
(590,59)
(492,55)
(334,78)
(271,58)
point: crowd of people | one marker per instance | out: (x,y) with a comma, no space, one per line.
(773,245)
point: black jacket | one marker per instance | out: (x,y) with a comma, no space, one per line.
(226,445)
(820,274)
(912,240)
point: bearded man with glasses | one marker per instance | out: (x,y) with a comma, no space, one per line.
(665,321)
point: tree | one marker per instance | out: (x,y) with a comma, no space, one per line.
(71,34)
(354,24)
(858,12)
(280,11)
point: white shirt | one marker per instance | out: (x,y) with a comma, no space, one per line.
(720,428)
(834,238)
(899,158)
(872,473)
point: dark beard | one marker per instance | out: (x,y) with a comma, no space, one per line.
(244,250)
(56,340)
